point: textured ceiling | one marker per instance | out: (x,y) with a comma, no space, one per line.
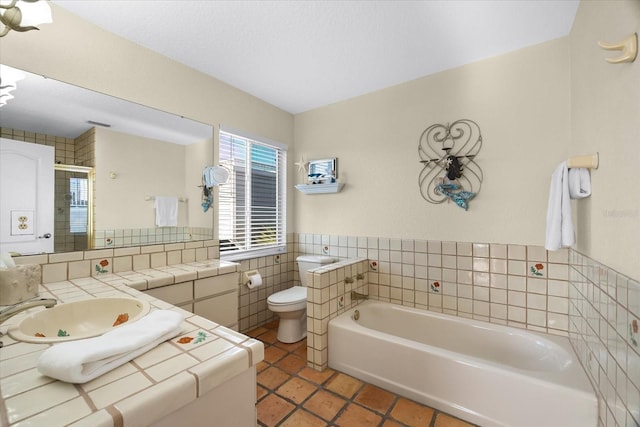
(300,55)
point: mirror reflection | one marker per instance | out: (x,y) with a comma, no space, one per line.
(132,154)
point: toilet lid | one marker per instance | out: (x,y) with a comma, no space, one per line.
(289,296)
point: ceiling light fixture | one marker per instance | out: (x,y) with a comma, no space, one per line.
(23,15)
(8,78)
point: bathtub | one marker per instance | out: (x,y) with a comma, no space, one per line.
(487,374)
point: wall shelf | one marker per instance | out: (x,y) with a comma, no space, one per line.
(334,187)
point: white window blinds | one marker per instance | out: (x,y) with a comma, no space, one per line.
(252,204)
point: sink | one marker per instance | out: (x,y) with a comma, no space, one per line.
(78,319)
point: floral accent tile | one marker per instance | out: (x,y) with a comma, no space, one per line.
(373,266)
(536,270)
(101,267)
(200,337)
(341,302)
(276,259)
(325,250)
(435,287)
(109,241)
(633,332)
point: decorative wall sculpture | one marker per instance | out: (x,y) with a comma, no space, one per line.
(450,171)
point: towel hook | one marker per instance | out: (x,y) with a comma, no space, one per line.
(628,46)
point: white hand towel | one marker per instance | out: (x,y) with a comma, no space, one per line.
(83,360)
(565,185)
(579,183)
(560,231)
(166,211)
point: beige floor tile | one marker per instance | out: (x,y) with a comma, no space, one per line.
(444,420)
(375,398)
(272,409)
(292,363)
(302,418)
(344,385)
(412,413)
(325,405)
(315,376)
(357,416)
(272,354)
(296,389)
(272,377)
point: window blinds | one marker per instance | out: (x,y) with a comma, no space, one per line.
(252,204)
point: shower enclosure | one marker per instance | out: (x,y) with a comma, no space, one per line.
(73,209)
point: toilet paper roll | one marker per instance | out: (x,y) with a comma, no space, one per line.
(254,281)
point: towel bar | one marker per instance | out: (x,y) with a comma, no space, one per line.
(180,199)
(589,162)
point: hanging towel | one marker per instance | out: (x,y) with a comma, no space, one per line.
(565,185)
(166,211)
(83,360)
(579,183)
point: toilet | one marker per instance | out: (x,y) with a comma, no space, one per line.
(291,304)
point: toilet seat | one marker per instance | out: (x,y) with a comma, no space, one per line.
(291,296)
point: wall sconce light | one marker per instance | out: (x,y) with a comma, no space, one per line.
(8,78)
(23,15)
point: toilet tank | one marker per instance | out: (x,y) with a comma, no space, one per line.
(309,262)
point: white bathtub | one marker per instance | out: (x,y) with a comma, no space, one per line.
(487,374)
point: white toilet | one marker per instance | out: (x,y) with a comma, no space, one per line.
(291,304)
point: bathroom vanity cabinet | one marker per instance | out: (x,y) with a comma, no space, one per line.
(214,298)
(205,375)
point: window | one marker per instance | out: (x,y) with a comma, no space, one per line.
(78,205)
(252,203)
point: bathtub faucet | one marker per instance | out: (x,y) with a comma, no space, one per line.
(357,296)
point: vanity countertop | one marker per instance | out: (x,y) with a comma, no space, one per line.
(155,384)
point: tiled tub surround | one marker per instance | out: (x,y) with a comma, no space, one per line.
(150,389)
(328,295)
(604,312)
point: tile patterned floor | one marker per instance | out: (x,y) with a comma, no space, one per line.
(292,395)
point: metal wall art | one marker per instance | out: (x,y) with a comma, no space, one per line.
(450,172)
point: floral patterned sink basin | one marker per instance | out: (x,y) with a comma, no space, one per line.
(78,319)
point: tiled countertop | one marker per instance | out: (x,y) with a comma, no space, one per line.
(171,375)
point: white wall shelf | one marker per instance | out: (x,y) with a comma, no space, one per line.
(334,187)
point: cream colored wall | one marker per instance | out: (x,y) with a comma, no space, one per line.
(605,102)
(521,102)
(139,165)
(75,51)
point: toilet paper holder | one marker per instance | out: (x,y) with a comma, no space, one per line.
(249,278)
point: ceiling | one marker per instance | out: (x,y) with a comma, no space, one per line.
(300,55)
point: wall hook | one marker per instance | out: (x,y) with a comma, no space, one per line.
(628,46)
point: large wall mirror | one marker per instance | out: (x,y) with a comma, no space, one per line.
(113,159)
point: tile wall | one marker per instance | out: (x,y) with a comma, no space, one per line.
(604,312)
(561,292)
(521,286)
(118,238)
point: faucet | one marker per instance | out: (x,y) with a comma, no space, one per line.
(14,309)
(357,296)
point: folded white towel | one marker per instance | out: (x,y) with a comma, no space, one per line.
(565,185)
(83,360)
(166,211)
